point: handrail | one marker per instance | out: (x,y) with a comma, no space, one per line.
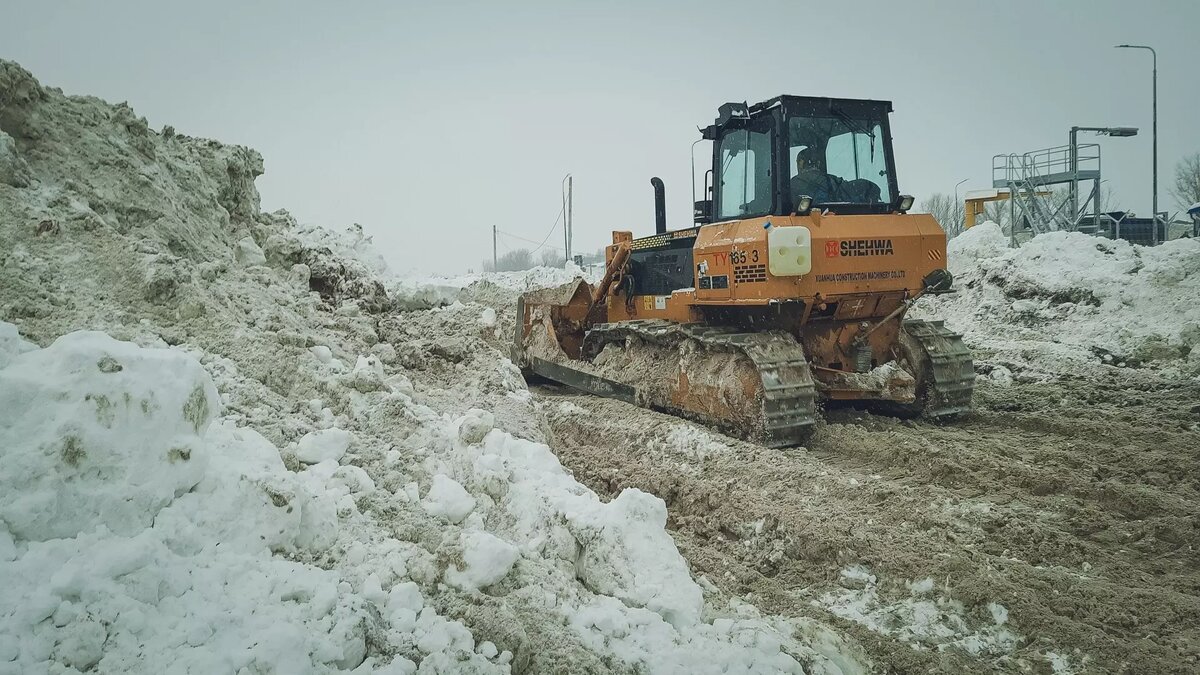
(1015,167)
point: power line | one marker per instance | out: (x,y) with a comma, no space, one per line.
(552,228)
(531,241)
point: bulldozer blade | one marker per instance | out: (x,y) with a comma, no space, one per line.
(585,382)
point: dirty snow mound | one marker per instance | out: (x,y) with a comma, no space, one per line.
(235,453)
(92,408)
(1067,302)
(499,288)
(140,533)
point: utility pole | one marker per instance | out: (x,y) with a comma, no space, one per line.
(495,260)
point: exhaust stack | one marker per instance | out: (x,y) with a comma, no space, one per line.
(660,206)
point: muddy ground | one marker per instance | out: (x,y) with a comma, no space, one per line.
(1072,505)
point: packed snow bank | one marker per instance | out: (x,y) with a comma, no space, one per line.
(1066,302)
(136,535)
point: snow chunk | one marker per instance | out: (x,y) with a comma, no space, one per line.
(98,432)
(12,344)
(449,499)
(475,426)
(144,544)
(323,446)
(487,559)
(368,374)
(628,554)
(411,295)
(248,253)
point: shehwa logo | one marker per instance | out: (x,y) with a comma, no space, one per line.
(858,247)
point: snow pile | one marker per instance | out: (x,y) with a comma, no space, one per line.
(350,244)
(137,534)
(527,280)
(417,294)
(486,560)
(448,499)
(1066,302)
(425,293)
(249,459)
(640,605)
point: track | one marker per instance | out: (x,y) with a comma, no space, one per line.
(779,412)
(756,385)
(951,372)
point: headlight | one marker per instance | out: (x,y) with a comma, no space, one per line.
(803,204)
(906,203)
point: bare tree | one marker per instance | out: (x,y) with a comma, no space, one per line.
(552,257)
(514,261)
(945,210)
(1186,189)
(998,212)
(1108,203)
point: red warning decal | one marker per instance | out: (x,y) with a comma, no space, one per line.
(831,249)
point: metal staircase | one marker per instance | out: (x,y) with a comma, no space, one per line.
(1030,179)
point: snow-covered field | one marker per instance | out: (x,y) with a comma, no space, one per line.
(232,443)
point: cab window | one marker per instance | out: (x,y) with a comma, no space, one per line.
(838,159)
(745,180)
(856,158)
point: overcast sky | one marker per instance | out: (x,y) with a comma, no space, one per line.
(430,122)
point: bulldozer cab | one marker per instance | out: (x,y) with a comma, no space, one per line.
(767,157)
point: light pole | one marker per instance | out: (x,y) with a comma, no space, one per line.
(958,225)
(1154,201)
(1074,167)
(568,183)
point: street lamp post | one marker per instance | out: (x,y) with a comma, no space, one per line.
(1154,201)
(957,204)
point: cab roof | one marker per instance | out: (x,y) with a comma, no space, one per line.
(732,114)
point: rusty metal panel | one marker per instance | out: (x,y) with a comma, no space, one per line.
(856,307)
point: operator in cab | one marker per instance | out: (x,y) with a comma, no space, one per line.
(810,179)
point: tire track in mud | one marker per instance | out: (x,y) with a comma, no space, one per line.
(1072,505)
